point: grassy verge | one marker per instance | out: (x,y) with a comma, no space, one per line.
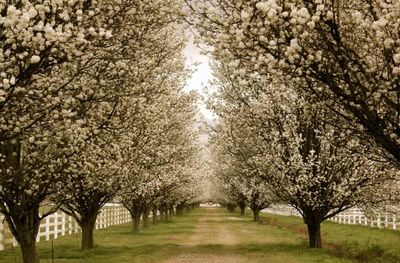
(215,235)
(114,244)
(358,243)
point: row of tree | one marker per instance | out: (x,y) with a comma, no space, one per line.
(307,95)
(92,109)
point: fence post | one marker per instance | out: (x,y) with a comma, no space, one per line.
(55,225)
(113,216)
(378,220)
(394,222)
(386,220)
(47,229)
(76,227)
(69,225)
(38,234)
(1,233)
(63,224)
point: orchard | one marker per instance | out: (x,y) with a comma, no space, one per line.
(95,108)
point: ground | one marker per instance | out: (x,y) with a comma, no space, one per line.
(214,235)
(221,237)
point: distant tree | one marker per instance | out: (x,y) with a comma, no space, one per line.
(291,143)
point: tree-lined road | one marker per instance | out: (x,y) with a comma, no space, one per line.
(220,237)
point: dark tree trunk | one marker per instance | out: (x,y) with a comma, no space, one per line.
(136,212)
(162,214)
(256,214)
(146,213)
(231,207)
(87,236)
(155,216)
(86,218)
(313,222)
(28,249)
(167,213)
(88,224)
(171,211)
(27,241)
(136,222)
(314,233)
(25,230)
(242,211)
(23,217)
(179,209)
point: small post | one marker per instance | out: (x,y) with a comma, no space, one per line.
(63,224)
(52,251)
(379,220)
(47,229)
(1,233)
(55,225)
(70,225)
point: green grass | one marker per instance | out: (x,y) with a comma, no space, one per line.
(360,243)
(215,235)
(115,244)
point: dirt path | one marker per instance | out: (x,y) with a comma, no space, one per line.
(211,231)
(217,236)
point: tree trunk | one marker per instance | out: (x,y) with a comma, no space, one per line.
(154,219)
(136,224)
(314,234)
(88,224)
(23,217)
(28,248)
(179,209)
(146,213)
(242,210)
(171,211)
(231,207)
(165,218)
(256,214)
(162,214)
(87,235)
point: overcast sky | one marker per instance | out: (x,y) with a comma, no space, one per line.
(200,78)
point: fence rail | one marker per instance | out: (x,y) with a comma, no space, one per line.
(354,216)
(61,224)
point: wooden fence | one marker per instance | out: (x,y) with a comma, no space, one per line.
(61,224)
(354,216)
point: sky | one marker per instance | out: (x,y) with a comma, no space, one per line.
(200,77)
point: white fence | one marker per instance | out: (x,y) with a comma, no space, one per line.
(354,216)
(60,224)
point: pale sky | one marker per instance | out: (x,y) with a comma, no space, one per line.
(201,76)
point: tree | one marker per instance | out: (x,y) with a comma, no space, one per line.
(130,69)
(294,145)
(161,153)
(39,129)
(344,52)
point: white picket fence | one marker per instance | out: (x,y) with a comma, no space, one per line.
(61,224)
(354,216)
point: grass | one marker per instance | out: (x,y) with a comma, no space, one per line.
(115,244)
(214,235)
(359,243)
